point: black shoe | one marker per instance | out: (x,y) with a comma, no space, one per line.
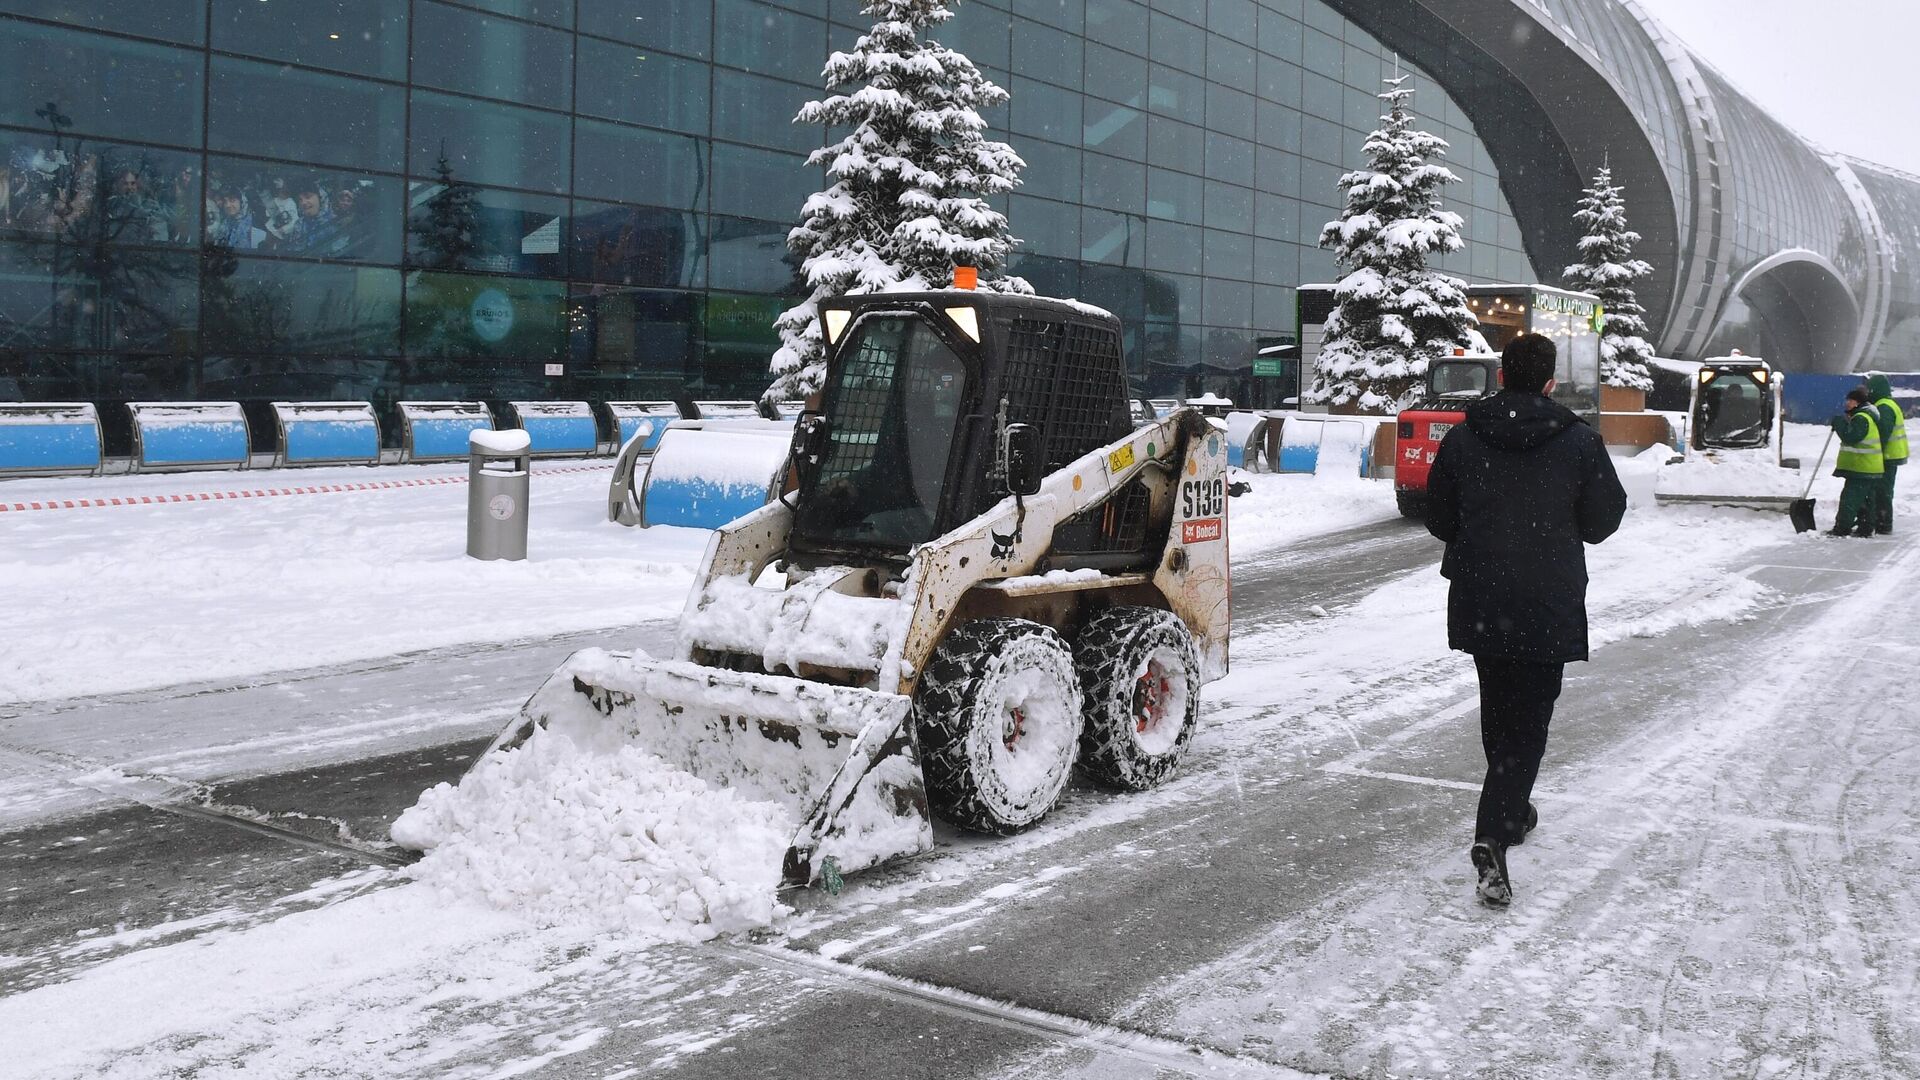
(1865,531)
(1533,822)
(1837,531)
(1883,530)
(1490,862)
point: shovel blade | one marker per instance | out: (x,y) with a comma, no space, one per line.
(1802,514)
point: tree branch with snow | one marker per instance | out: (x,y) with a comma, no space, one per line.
(908,185)
(1608,270)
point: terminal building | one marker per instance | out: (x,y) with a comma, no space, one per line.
(387,200)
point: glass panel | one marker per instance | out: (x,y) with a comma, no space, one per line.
(659,24)
(620,83)
(647,343)
(1230,111)
(461,227)
(368,37)
(1174,145)
(1230,63)
(1280,35)
(488,143)
(977,31)
(98,193)
(492,57)
(739,339)
(760,183)
(1115,129)
(65,81)
(183,21)
(1116,76)
(631,245)
(107,298)
(1119,23)
(1229,207)
(1229,159)
(1177,94)
(1229,303)
(1052,172)
(1046,227)
(285,113)
(296,210)
(896,399)
(266,305)
(1174,195)
(752,256)
(1116,184)
(1044,53)
(551,12)
(1116,239)
(1181,44)
(1173,246)
(633,165)
(769,41)
(752,109)
(467,315)
(1045,112)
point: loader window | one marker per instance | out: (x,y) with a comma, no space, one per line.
(1733,411)
(1457,379)
(892,406)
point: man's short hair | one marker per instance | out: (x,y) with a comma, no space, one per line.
(1527,363)
(1859,395)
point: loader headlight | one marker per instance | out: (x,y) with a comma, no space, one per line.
(1705,376)
(967,319)
(837,319)
(1761,376)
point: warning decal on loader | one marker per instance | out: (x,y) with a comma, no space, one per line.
(1200,531)
(1120,459)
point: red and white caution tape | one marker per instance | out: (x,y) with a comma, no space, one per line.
(262,493)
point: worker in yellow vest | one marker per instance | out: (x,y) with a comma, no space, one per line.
(1862,463)
(1893,446)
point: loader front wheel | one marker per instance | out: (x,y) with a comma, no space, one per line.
(998,715)
(1141,673)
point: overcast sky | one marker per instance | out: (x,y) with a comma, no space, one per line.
(1838,71)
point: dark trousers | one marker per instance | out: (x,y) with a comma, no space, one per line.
(1859,504)
(1516,705)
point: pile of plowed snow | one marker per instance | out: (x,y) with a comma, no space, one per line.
(566,833)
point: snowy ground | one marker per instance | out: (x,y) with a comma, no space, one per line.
(1723,885)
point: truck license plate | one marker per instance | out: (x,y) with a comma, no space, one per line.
(1436,432)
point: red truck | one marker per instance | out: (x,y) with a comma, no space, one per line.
(1452,383)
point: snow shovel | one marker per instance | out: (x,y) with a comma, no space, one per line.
(1801,511)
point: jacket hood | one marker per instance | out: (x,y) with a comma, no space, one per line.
(1879,387)
(1514,421)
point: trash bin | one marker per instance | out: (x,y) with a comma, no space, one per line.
(499,466)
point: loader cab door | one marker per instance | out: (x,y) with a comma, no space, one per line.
(894,400)
(1732,408)
(1459,378)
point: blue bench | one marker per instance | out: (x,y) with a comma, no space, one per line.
(49,438)
(327,433)
(176,436)
(703,478)
(437,430)
(558,428)
(647,420)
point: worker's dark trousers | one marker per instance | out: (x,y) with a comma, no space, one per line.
(1516,705)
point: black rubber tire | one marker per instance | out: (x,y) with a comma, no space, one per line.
(1112,652)
(1413,504)
(961,714)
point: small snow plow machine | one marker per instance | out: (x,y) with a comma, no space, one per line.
(980,575)
(1453,383)
(1736,441)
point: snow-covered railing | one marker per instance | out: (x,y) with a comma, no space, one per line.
(558,428)
(49,438)
(438,430)
(176,436)
(327,433)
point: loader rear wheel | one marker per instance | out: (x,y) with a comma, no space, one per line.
(1141,673)
(998,714)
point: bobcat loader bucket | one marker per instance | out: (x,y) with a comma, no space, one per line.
(842,761)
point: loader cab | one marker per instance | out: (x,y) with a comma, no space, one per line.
(911,438)
(1463,378)
(1736,404)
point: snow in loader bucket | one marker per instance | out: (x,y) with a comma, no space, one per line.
(841,761)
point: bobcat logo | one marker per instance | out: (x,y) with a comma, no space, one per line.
(1002,545)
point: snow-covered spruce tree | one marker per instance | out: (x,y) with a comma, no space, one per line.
(1393,315)
(909,183)
(1607,269)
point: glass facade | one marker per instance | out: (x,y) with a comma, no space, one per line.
(494,199)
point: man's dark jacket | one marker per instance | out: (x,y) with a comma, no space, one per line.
(1514,492)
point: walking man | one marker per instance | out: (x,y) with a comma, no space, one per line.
(1893,447)
(1514,493)
(1862,464)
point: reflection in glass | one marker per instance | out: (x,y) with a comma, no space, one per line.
(636,245)
(267,305)
(469,315)
(95,296)
(490,143)
(452,225)
(80,193)
(281,112)
(648,339)
(297,210)
(492,57)
(367,37)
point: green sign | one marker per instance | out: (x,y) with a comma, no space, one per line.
(1270,367)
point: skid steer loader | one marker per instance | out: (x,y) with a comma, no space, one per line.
(982,573)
